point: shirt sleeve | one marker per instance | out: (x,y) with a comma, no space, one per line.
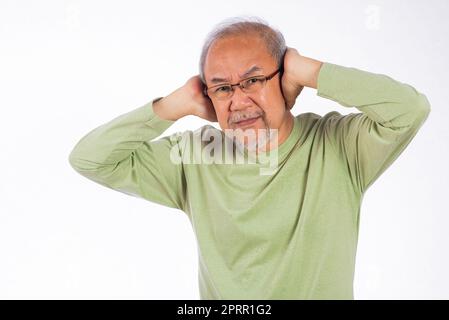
(121,155)
(391,114)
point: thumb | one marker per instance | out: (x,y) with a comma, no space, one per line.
(290,92)
(207,110)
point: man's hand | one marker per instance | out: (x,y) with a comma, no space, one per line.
(186,100)
(200,105)
(299,72)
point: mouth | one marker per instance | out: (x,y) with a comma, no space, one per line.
(246,122)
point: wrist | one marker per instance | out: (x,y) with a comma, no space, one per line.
(170,107)
(307,70)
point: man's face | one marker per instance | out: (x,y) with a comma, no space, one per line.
(230,59)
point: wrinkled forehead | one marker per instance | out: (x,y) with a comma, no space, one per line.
(237,57)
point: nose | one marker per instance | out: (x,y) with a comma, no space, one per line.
(239,100)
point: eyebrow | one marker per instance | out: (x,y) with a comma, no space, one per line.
(243,76)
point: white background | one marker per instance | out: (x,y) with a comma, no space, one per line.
(68,66)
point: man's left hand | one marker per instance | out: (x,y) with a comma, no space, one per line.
(299,72)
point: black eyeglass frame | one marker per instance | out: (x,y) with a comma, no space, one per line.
(266,78)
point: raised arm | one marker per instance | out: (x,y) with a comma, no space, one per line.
(391,114)
(123,155)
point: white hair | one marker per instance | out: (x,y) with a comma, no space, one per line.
(244,25)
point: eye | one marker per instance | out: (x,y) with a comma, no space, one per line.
(223,89)
(251,81)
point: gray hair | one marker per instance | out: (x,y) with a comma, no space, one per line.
(273,38)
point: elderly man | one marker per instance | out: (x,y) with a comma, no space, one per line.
(291,234)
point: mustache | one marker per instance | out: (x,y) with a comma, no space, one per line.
(237,117)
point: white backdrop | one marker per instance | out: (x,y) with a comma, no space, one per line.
(67,67)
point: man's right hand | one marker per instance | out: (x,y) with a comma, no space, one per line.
(186,100)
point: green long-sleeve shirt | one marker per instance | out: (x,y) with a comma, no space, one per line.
(289,235)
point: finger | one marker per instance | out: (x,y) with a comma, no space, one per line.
(289,95)
(209,110)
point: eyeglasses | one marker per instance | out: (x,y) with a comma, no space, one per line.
(248,85)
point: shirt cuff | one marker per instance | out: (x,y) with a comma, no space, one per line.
(153,120)
(326,87)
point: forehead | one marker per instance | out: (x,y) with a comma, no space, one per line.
(233,58)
